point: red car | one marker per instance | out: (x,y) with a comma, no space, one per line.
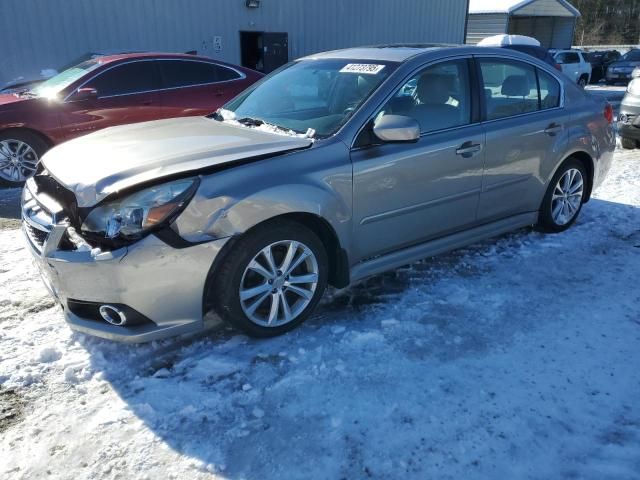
(106,91)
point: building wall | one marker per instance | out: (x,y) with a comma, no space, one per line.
(50,33)
(551,32)
(484,25)
(544,8)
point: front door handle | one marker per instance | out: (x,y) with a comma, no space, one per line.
(553,129)
(468,149)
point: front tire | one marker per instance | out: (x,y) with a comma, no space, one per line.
(20,152)
(628,143)
(582,81)
(564,197)
(272,279)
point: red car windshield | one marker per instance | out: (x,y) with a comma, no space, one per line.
(52,87)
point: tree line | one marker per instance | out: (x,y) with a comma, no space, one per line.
(607,22)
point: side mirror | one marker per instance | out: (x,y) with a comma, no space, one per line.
(396,128)
(85,93)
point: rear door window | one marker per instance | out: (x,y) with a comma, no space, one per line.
(186,73)
(510,88)
(127,79)
(567,58)
(549,90)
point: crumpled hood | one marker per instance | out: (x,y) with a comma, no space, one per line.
(116,158)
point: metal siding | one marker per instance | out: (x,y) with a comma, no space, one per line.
(544,8)
(483,25)
(563,32)
(53,32)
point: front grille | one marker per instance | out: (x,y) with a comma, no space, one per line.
(38,237)
(38,215)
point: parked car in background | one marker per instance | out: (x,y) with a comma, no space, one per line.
(600,61)
(629,116)
(574,65)
(521,43)
(620,70)
(45,74)
(325,172)
(106,91)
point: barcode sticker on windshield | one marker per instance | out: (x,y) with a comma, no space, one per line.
(368,68)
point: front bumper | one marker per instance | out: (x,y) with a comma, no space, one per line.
(618,76)
(162,283)
(629,118)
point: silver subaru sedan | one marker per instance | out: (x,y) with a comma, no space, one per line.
(336,167)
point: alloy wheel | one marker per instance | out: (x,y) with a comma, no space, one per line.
(18,160)
(279,283)
(567,196)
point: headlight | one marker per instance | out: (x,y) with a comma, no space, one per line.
(131,216)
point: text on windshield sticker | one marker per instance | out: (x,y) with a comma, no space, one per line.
(368,68)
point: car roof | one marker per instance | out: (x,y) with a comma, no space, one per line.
(104,59)
(400,53)
(389,53)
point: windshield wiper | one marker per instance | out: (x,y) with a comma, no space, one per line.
(26,93)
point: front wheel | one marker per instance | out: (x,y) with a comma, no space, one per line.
(20,152)
(272,279)
(564,197)
(582,82)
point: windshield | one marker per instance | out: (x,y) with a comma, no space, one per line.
(59,82)
(632,56)
(311,94)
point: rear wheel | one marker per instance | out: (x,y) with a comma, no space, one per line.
(628,143)
(564,198)
(272,279)
(582,81)
(20,152)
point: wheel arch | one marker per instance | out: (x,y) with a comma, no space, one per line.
(50,143)
(587,161)
(339,271)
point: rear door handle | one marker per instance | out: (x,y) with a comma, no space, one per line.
(553,129)
(468,149)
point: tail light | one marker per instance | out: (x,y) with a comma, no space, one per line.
(558,66)
(608,113)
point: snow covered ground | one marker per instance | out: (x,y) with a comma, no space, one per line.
(513,359)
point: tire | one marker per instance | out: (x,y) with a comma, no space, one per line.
(234,276)
(628,143)
(582,81)
(553,216)
(20,152)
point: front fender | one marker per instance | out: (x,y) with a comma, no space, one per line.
(231,202)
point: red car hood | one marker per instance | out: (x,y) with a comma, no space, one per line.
(11,98)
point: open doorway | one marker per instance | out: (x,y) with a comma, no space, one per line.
(263,51)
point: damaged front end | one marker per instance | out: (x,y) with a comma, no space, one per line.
(100,284)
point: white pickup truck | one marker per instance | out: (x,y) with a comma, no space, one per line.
(574,65)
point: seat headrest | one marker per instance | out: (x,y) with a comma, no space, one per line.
(516,86)
(433,89)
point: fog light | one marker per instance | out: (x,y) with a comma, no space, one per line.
(112,315)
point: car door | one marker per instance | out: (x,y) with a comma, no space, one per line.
(125,93)
(408,193)
(195,87)
(525,128)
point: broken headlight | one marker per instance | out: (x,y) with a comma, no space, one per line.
(138,213)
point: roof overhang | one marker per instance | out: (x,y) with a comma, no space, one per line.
(528,8)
